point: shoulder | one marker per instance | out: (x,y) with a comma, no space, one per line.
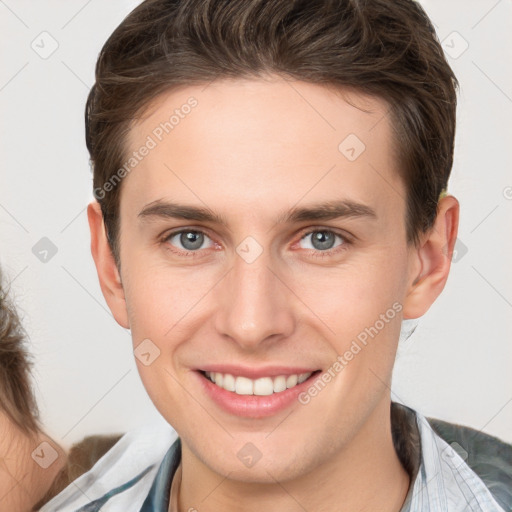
(81,458)
(489,457)
(123,475)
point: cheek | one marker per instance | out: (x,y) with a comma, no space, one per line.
(159,307)
(157,297)
(161,301)
(353,296)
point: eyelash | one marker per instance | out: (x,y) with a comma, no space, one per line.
(316,253)
(329,252)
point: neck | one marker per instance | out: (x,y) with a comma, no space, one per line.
(23,482)
(366,475)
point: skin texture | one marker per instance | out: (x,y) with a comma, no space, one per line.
(250,151)
(23,482)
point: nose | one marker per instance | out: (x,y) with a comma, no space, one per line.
(255,305)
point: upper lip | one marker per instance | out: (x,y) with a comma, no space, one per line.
(255,373)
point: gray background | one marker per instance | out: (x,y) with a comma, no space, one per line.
(456,366)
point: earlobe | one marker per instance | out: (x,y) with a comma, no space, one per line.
(108,273)
(433,259)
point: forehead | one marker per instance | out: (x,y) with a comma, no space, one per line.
(248,141)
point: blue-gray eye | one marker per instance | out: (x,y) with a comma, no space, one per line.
(189,240)
(322,240)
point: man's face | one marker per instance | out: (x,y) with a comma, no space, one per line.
(256,291)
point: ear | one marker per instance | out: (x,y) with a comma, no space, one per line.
(432,259)
(108,273)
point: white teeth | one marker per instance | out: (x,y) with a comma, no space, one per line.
(261,387)
(291,381)
(279,384)
(229,382)
(243,386)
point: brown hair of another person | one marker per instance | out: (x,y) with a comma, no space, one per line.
(17,400)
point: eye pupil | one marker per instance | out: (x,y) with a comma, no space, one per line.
(191,240)
(320,240)
(323,240)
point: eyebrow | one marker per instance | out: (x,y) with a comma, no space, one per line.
(329,210)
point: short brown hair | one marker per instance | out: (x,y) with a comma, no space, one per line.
(387,49)
(16,397)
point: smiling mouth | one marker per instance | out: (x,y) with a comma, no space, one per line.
(263,386)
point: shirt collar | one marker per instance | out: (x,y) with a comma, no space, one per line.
(158,497)
(444,482)
(440,480)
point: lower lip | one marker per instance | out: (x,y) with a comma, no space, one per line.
(253,406)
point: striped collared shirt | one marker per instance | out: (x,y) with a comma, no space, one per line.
(137,474)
